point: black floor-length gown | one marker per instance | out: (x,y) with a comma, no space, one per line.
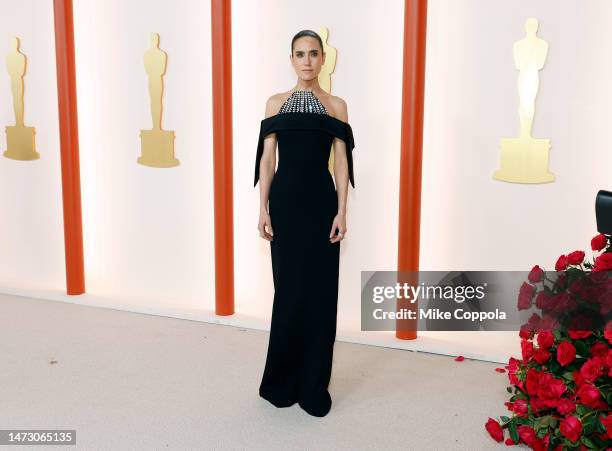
(302,205)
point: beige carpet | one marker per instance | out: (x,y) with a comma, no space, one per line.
(134,381)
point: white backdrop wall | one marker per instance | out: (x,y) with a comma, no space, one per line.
(31,228)
(470,221)
(148,232)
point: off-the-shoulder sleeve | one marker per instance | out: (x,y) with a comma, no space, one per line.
(267,127)
(350,145)
(344,131)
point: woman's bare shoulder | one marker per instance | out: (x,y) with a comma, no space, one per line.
(275,101)
(340,109)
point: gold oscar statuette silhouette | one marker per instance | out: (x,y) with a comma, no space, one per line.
(19,138)
(525,159)
(324,79)
(157,145)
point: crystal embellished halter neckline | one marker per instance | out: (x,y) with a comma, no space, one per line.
(303,102)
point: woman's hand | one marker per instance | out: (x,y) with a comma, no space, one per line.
(265,221)
(339,224)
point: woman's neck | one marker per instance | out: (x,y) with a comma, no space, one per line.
(311,85)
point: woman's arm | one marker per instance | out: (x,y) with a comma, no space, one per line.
(341,174)
(267,166)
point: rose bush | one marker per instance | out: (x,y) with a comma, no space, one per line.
(561,386)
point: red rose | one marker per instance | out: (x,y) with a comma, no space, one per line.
(589,395)
(544,301)
(571,428)
(549,322)
(599,349)
(513,367)
(537,404)
(550,389)
(582,322)
(526,332)
(536,274)
(578,378)
(602,436)
(562,263)
(561,280)
(541,356)
(532,380)
(525,295)
(565,406)
(591,369)
(579,288)
(599,242)
(579,334)
(575,258)
(605,299)
(520,407)
(539,445)
(545,339)
(603,262)
(598,278)
(494,430)
(526,349)
(556,388)
(562,302)
(527,434)
(608,332)
(566,353)
(534,321)
(607,423)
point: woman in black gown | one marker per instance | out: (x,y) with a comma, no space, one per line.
(305,222)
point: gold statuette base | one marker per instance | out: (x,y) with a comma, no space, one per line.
(157,148)
(20,143)
(524,160)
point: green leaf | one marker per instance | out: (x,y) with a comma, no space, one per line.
(537,424)
(509,389)
(504,418)
(600,444)
(568,375)
(554,366)
(587,442)
(581,409)
(513,432)
(581,348)
(573,275)
(600,426)
(588,425)
(521,420)
(520,396)
(545,420)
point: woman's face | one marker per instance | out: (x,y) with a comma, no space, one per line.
(307,58)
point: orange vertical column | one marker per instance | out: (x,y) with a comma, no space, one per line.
(221,27)
(69,145)
(413,87)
